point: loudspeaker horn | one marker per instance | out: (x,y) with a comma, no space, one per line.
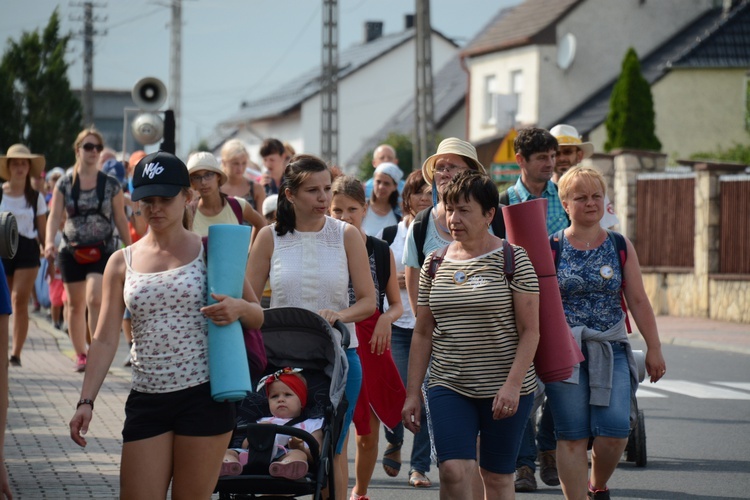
(148,128)
(149,93)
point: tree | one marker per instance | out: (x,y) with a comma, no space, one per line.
(37,106)
(403,146)
(630,123)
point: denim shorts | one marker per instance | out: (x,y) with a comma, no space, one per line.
(457,420)
(575,419)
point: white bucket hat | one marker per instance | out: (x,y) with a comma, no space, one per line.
(204,160)
(567,135)
(21,151)
(456,146)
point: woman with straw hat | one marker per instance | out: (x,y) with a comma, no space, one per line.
(17,196)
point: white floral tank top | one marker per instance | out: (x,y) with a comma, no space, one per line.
(310,270)
(170,343)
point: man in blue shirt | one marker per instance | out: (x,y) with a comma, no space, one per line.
(536,150)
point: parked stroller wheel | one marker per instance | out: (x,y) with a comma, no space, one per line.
(635,451)
(8,235)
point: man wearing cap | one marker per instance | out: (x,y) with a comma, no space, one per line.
(571,151)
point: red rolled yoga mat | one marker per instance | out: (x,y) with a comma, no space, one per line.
(558,352)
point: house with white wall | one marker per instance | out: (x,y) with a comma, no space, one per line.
(374,76)
(547,57)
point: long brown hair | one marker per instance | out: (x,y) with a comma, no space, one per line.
(77,144)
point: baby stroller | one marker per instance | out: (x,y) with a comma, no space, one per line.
(298,338)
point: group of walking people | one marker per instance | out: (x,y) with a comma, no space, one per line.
(445,311)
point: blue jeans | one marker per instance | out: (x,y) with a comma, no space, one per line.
(353,386)
(420,451)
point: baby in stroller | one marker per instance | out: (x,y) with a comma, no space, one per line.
(286,391)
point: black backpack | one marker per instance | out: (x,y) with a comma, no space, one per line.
(420,229)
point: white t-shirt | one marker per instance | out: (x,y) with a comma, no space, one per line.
(23,213)
(407,319)
(373,223)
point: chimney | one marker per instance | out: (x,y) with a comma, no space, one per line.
(409,21)
(373,30)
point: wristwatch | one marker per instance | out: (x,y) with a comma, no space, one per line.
(86,402)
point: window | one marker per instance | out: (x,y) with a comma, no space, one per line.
(490,97)
(516,89)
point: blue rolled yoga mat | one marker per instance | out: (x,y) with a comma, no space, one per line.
(227,361)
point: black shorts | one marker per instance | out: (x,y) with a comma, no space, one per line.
(72,271)
(27,256)
(189,412)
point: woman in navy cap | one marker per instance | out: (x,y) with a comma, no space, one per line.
(174,431)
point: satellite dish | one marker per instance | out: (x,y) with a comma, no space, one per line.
(566,51)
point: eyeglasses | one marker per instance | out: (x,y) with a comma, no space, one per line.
(90,147)
(202,177)
(448,169)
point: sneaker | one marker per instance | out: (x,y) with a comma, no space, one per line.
(548,468)
(525,480)
(598,494)
(15,361)
(81,363)
(230,469)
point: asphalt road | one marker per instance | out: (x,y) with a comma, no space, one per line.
(697,423)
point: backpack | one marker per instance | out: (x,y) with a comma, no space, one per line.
(509,261)
(621,248)
(382,254)
(420,229)
(389,234)
(75,194)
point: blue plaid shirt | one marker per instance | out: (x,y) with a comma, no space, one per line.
(556,217)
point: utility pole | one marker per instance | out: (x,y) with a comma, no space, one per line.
(175,68)
(87,93)
(329,96)
(424,129)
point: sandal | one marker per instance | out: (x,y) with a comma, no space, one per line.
(419,480)
(392,466)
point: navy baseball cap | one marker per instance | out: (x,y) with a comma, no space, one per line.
(159,174)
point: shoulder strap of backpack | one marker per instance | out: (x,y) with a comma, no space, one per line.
(236,208)
(436,260)
(382,264)
(101,185)
(420,233)
(555,244)
(509,260)
(505,198)
(618,241)
(389,234)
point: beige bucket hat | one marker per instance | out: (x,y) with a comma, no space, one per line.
(21,151)
(456,146)
(204,160)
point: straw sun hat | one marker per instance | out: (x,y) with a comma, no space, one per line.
(21,151)
(455,146)
(567,135)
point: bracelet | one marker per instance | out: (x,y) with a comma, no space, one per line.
(86,402)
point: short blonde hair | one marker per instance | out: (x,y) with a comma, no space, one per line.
(588,177)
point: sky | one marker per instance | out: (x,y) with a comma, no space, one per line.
(232,50)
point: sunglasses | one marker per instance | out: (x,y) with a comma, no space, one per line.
(90,147)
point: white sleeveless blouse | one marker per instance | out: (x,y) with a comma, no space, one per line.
(310,270)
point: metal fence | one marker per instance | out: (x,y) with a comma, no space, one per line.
(665,220)
(734,224)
